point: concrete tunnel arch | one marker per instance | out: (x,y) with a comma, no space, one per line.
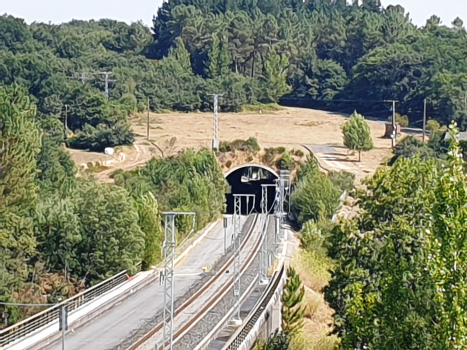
(257,175)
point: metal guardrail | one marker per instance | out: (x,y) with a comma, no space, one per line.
(44,318)
(241,335)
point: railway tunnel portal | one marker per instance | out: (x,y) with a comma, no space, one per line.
(248,179)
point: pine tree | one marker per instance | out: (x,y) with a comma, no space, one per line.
(219,58)
(275,76)
(357,134)
(292,311)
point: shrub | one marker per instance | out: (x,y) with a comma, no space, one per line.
(286,162)
(403,120)
(432,126)
(249,145)
(269,155)
(315,197)
(98,138)
(298,153)
(342,179)
(410,147)
(280,149)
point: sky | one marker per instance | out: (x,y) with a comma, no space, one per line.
(59,11)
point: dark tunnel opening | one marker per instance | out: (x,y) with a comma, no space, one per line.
(248,180)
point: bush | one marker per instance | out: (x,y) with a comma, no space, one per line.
(286,162)
(189,181)
(298,153)
(249,145)
(280,150)
(315,197)
(410,147)
(97,139)
(342,179)
(269,155)
(309,167)
(432,126)
(403,120)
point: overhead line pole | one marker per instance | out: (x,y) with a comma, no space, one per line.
(169,282)
(215,136)
(237,246)
(264,253)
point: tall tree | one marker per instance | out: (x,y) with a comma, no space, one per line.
(292,311)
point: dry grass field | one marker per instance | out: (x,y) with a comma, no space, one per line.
(288,127)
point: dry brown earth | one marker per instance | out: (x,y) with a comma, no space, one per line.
(290,127)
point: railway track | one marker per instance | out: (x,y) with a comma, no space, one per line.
(185,328)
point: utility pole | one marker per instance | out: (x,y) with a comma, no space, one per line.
(424,118)
(147,131)
(169,282)
(215,136)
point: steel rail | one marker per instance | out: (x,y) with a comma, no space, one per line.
(205,287)
(241,334)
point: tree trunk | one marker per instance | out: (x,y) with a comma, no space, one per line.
(253,65)
(360,155)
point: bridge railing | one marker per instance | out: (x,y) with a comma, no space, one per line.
(44,318)
(241,334)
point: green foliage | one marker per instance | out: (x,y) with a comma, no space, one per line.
(249,145)
(342,179)
(432,126)
(111,240)
(357,134)
(382,260)
(150,223)
(292,311)
(403,120)
(20,139)
(315,195)
(280,150)
(277,341)
(410,147)
(446,235)
(98,138)
(285,162)
(189,181)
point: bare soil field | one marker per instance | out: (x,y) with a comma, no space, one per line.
(289,127)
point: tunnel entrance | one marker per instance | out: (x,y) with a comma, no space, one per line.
(247,179)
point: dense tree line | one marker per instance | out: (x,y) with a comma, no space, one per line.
(326,54)
(334,54)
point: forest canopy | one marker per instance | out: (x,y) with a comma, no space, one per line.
(320,54)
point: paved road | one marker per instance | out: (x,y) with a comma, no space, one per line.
(112,327)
